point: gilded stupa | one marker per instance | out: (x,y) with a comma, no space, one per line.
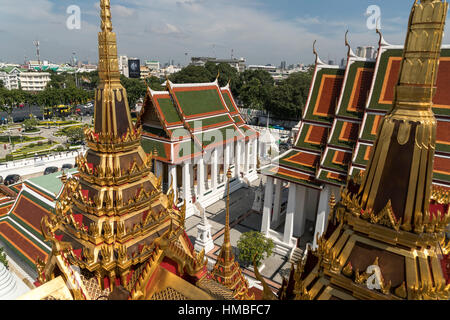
(385,238)
(114,233)
(227,270)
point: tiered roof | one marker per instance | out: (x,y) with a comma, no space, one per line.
(188,119)
(342,115)
(20,218)
(300,165)
(382,94)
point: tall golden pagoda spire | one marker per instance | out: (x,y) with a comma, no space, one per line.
(401,167)
(226,270)
(112,113)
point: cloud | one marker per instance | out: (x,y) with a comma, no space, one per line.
(167,29)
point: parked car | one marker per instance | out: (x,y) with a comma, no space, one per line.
(11,179)
(284,138)
(50,170)
(67,166)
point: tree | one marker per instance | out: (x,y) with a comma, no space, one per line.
(3,259)
(192,74)
(254,244)
(75,135)
(154,83)
(30,124)
(2,85)
(136,89)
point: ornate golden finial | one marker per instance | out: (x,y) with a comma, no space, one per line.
(348,270)
(105,7)
(401,291)
(347,44)
(226,240)
(218,75)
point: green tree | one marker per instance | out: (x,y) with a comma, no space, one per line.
(75,135)
(154,83)
(136,89)
(30,124)
(192,74)
(2,85)
(3,259)
(254,244)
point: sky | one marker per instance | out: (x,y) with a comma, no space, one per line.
(261,31)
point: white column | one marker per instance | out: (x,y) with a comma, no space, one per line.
(267,211)
(214,169)
(247,157)
(226,160)
(277,203)
(173,179)
(290,212)
(237,156)
(187,182)
(159,169)
(255,154)
(300,212)
(322,214)
(201,177)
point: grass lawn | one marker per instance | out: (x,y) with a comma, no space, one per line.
(19,139)
(32,148)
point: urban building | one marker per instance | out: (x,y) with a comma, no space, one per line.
(153,66)
(238,64)
(19,78)
(123,66)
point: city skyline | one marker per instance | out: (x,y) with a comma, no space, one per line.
(165,30)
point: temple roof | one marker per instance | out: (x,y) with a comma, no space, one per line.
(187,119)
(343,111)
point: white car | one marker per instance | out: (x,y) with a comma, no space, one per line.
(284,138)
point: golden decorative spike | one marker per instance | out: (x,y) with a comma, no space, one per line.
(401,291)
(348,270)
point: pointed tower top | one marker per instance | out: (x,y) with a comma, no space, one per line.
(105,14)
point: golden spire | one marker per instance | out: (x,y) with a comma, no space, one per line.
(226,237)
(226,270)
(401,166)
(112,115)
(107,44)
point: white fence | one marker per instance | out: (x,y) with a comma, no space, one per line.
(38,164)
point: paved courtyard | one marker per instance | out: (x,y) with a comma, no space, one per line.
(242,219)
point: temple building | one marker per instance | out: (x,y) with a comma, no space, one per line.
(385,238)
(196,134)
(107,230)
(336,135)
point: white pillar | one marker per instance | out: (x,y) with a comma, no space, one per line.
(255,154)
(322,214)
(214,169)
(173,180)
(238,159)
(187,182)
(159,169)
(247,157)
(300,212)
(290,212)
(226,161)
(201,177)
(277,203)
(267,211)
